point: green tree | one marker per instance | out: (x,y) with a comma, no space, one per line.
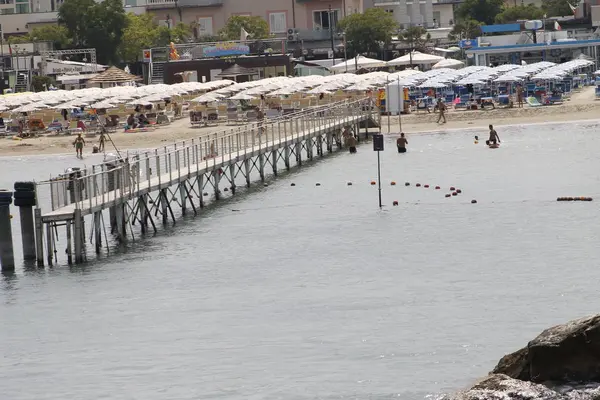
(365,33)
(179,33)
(415,37)
(72,14)
(141,32)
(466,29)
(16,39)
(40,83)
(557,8)
(520,12)
(484,11)
(57,34)
(95,25)
(256,26)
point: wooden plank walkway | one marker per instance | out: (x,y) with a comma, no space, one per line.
(194,166)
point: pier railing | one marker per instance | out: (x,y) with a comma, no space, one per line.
(125,177)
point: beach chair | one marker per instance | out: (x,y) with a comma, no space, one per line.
(533,102)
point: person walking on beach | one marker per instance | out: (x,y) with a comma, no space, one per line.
(494,138)
(520,95)
(442,110)
(102,140)
(401,143)
(79,143)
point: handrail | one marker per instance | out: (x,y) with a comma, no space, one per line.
(124,177)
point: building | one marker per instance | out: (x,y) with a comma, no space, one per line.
(426,13)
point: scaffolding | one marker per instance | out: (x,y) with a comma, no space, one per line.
(58,54)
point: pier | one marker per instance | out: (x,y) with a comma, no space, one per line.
(145,187)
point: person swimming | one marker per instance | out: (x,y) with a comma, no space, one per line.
(401,143)
(494,138)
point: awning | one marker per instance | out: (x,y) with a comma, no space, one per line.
(500,28)
(75,78)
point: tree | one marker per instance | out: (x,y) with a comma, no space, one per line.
(366,32)
(141,32)
(95,25)
(40,83)
(466,29)
(520,12)
(557,8)
(180,33)
(72,15)
(416,37)
(256,26)
(58,35)
(480,10)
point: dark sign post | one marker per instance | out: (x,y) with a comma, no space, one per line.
(378,147)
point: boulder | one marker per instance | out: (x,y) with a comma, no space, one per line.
(563,353)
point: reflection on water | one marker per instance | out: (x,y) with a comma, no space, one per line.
(311,291)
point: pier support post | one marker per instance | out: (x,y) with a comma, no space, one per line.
(112,184)
(309,147)
(274,161)
(320,145)
(183,196)
(232,177)
(69,249)
(261,166)
(286,156)
(98,231)
(247,169)
(78,235)
(299,153)
(329,142)
(7,258)
(200,180)
(25,199)
(120,217)
(217,178)
(39,237)
(164,205)
(50,243)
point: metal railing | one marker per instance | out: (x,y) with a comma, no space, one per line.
(125,177)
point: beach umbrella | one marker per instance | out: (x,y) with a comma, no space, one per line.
(30,107)
(358,62)
(242,96)
(448,63)
(103,104)
(416,57)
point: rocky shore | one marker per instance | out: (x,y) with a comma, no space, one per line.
(562,363)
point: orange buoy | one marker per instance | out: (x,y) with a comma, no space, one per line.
(437,188)
(393,183)
(373,182)
(448,195)
(426,186)
(395,203)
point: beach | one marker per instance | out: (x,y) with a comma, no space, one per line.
(581,106)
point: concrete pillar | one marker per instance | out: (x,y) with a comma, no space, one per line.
(201,189)
(299,153)
(261,166)
(7,258)
(286,157)
(39,237)
(25,199)
(78,235)
(183,195)
(217,180)
(247,169)
(274,161)
(232,177)
(98,231)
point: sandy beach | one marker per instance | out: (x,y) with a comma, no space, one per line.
(581,106)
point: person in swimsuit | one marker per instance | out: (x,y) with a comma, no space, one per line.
(494,138)
(79,143)
(401,143)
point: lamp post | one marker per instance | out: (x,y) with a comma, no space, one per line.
(345,51)
(331,32)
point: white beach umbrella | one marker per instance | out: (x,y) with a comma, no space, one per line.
(242,96)
(417,58)
(357,62)
(448,63)
(30,107)
(208,97)
(103,104)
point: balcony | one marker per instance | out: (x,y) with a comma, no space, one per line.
(386,3)
(155,4)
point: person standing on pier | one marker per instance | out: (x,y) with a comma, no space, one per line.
(79,143)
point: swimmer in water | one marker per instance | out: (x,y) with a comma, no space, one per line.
(494,138)
(401,143)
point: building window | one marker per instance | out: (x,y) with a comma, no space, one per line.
(278,22)
(22,7)
(131,3)
(437,18)
(205,26)
(321,19)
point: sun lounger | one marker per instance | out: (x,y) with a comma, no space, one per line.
(533,102)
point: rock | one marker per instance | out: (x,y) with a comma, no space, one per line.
(564,353)
(500,387)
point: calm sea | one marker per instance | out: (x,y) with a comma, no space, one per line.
(312,292)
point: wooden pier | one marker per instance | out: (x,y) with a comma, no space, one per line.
(142,188)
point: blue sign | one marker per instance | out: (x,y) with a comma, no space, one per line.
(226,49)
(468,43)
